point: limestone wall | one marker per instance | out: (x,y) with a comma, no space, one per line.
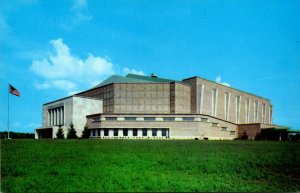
(179,128)
(142,98)
(202,100)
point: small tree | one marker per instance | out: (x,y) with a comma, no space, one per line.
(71,132)
(85,133)
(244,136)
(60,133)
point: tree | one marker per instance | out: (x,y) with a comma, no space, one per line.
(71,132)
(244,136)
(85,133)
(60,133)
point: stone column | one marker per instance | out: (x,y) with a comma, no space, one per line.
(130,133)
(110,133)
(101,132)
(159,134)
(279,136)
(59,115)
(120,133)
(96,132)
(49,118)
(52,112)
(91,133)
(63,115)
(55,115)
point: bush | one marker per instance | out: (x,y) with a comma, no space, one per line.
(244,136)
(85,133)
(60,133)
(16,135)
(71,132)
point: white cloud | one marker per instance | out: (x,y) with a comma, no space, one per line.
(4,28)
(226,84)
(42,86)
(64,71)
(73,92)
(33,125)
(81,11)
(62,64)
(132,71)
(59,84)
(219,80)
(79,4)
(64,84)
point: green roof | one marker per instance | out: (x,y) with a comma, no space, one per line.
(132,78)
(149,78)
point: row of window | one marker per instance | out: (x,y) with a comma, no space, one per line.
(150,119)
(214,102)
(124,132)
(226,129)
(56,116)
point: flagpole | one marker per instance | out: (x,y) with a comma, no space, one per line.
(8,113)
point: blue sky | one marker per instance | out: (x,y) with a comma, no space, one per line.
(50,49)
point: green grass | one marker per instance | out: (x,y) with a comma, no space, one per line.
(149,165)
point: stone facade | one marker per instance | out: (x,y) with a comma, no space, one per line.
(63,112)
(228,103)
(149,107)
(179,126)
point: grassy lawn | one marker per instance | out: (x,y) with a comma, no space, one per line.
(148,165)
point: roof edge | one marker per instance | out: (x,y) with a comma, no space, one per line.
(227,87)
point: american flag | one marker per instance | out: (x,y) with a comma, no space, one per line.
(14,91)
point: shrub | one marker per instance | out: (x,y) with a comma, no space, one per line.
(60,133)
(244,136)
(71,132)
(85,133)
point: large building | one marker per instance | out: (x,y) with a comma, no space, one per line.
(139,107)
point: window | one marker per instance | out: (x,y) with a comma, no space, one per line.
(247,109)
(168,118)
(238,101)
(56,116)
(224,128)
(111,118)
(145,132)
(204,119)
(188,118)
(106,132)
(50,117)
(154,132)
(55,113)
(270,114)
(200,88)
(96,119)
(232,132)
(263,111)
(255,111)
(116,132)
(149,118)
(227,100)
(164,132)
(134,132)
(214,102)
(130,118)
(125,132)
(215,124)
